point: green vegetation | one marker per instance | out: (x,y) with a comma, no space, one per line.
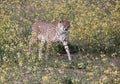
(94,40)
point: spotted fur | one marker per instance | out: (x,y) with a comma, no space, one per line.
(50,32)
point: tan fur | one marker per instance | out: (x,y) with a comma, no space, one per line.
(49,32)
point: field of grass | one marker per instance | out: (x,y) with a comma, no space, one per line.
(83,69)
(94,30)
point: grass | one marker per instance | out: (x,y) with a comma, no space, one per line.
(83,69)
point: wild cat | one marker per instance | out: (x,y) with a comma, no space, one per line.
(48,32)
